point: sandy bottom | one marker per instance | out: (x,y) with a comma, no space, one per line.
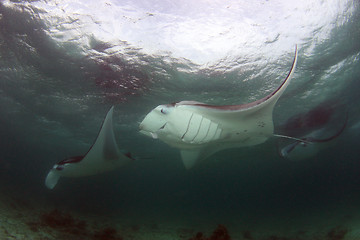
(36,219)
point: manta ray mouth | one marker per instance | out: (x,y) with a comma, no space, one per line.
(149,134)
(154,135)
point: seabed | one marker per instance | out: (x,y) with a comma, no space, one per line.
(36,219)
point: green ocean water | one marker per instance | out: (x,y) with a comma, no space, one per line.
(61,72)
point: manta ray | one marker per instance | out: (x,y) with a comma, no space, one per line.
(199,130)
(102,156)
(308,146)
(315,128)
(316,118)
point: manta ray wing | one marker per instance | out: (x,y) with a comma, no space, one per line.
(105,147)
(200,130)
(102,156)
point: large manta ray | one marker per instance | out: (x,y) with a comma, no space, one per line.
(200,130)
(102,156)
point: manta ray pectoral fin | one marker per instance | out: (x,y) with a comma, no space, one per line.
(52,178)
(105,145)
(190,157)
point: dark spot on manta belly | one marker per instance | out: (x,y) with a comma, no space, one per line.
(261,124)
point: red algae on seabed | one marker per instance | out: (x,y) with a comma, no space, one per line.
(220,233)
(71,228)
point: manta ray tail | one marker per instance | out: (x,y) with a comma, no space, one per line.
(51,179)
(292,138)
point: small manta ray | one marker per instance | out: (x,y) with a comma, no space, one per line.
(316,118)
(102,156)
(309,145)
(200,130)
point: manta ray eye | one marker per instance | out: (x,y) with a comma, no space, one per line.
(163,111)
